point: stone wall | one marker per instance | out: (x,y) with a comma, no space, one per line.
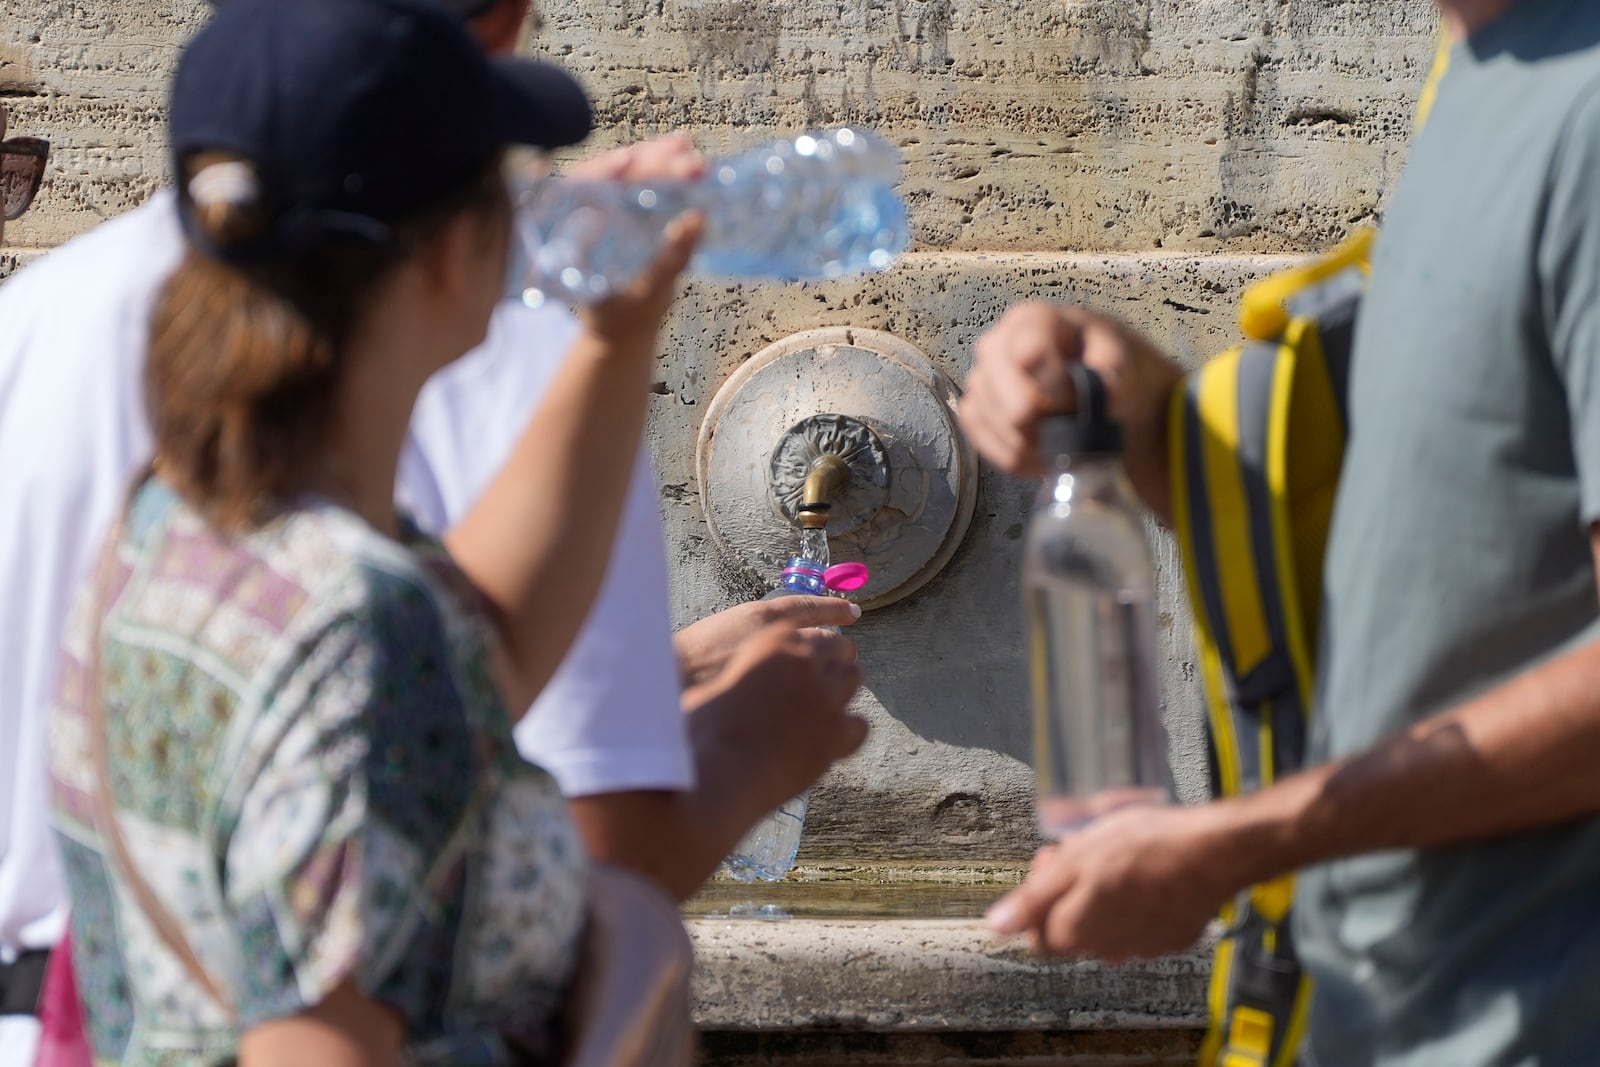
(1148,156)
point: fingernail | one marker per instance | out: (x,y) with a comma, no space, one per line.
(855,611)
(1001,917)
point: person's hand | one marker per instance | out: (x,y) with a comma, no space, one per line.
(673,156)
(777,712)
(631,318)
(1142,881)
(1019,376)
(637,311)
(703,648)
(628,320)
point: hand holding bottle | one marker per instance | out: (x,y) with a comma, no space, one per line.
(704,647)
(633,316)
(1020,375)
(1140,882)
(778,711)
(814,207)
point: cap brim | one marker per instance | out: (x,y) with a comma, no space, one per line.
(539,105)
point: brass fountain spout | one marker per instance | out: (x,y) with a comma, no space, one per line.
(826,476)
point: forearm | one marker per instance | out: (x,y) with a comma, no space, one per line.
(1516,758)
(536,543)
(346,1029)
(646,831)
(675,838)
(1146,443)
(771,722)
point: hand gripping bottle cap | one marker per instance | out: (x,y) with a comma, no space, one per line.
(845,577)
(1090,430)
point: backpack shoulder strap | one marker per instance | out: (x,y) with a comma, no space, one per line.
(1256,440)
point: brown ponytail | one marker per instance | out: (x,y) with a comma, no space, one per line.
(245,362)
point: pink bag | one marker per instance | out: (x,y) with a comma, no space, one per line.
(62,1041)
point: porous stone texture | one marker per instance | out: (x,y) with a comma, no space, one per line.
(944,772)
(930,975)
(1080,124)
(91,76)
(1067,1048)
(1209,125)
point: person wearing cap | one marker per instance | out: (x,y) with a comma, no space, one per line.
(22,967)
(652,788)
(294,821)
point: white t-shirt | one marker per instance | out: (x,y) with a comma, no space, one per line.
(73,331)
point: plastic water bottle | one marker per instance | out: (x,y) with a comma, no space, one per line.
(815,207)
(768,850)
(1090,596)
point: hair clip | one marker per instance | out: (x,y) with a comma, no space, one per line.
(233,183)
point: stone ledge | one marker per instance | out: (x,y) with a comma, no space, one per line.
(925,975)
(1070,1048)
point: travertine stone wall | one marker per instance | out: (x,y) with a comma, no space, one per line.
(1073,125)
(91,76)
(1149,156)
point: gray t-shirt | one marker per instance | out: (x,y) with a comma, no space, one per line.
(1460,555)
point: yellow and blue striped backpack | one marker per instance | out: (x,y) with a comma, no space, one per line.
(1256,439)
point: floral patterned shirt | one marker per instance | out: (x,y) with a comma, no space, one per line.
(313,771)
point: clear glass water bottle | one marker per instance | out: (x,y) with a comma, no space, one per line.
(1090,596)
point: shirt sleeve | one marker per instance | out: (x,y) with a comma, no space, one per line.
(347,852)
(1569,281)
(610,719)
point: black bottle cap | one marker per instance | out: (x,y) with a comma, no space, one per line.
(1090,430)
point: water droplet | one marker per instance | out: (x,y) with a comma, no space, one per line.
(774,165)
(647,198)
(805,145)
(845,136)
(879,258)
(572,277)
(727,175)
(533,298)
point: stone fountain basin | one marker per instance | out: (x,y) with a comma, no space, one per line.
(857,974)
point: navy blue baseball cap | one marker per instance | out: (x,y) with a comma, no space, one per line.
(469,9)
(355,114)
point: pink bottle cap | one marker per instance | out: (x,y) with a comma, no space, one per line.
(845,577)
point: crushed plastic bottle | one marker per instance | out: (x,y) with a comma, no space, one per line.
(816,207)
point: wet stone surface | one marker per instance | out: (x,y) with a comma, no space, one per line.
(843,891)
